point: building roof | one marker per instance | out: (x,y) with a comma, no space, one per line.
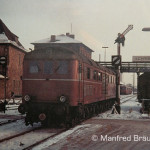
(6,36)
(58,39)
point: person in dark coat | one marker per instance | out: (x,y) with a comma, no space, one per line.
(116,108)
(3,105)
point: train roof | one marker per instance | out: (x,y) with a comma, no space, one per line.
(145,75)
(45,53)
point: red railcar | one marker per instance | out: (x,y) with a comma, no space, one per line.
(62,85)
(125,90)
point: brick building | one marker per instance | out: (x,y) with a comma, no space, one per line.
(11,48)
(67,40)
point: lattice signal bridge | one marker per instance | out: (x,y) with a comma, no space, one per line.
(130,66)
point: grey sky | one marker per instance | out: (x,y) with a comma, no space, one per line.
(96,23)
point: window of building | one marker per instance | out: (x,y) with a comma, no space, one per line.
(19,59)
(48,67)
(34,67)
(88,73)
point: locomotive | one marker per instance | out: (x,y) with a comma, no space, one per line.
(144,86)
(125,90)
(62,84)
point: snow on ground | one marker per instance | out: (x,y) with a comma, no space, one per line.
(14,128)
(26,140)
(130,110)
(12,108)
(78,130)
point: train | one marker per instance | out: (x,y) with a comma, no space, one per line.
(62,84)
(144,86)
(144,91)
(125,90)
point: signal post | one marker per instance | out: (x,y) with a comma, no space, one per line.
(116,62)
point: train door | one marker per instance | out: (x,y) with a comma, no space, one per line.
(104,85)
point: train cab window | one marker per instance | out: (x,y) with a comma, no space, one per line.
(94,74)
(114,80)
(62,67)
(48,67)
(110,79)
(88,73)
(34,68)
(100,76)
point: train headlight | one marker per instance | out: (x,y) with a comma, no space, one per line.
(27,98)
(62,99)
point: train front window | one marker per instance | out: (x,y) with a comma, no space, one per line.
(48,67)
(34,67)
(62,67)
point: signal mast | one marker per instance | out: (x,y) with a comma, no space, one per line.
(120,40)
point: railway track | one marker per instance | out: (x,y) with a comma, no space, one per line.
(27,140)
(43,140)
(10,121)
(125,99)
(19,134)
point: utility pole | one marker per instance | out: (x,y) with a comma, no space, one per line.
(120,40)
(133,82)
(105,53)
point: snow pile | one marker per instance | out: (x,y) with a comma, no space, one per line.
(129,111)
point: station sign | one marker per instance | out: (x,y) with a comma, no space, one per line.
(116,60)
(140,58)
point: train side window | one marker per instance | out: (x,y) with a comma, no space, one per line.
(94,74)
(109,79)
(88,73)
(80,68)
(62,67)
(100,76)
(114,80)
(48,67)
(34,68)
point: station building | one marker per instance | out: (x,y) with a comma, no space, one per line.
(10,74)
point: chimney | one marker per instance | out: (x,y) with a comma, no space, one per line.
(70,35)
(67,34)
(53,38)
